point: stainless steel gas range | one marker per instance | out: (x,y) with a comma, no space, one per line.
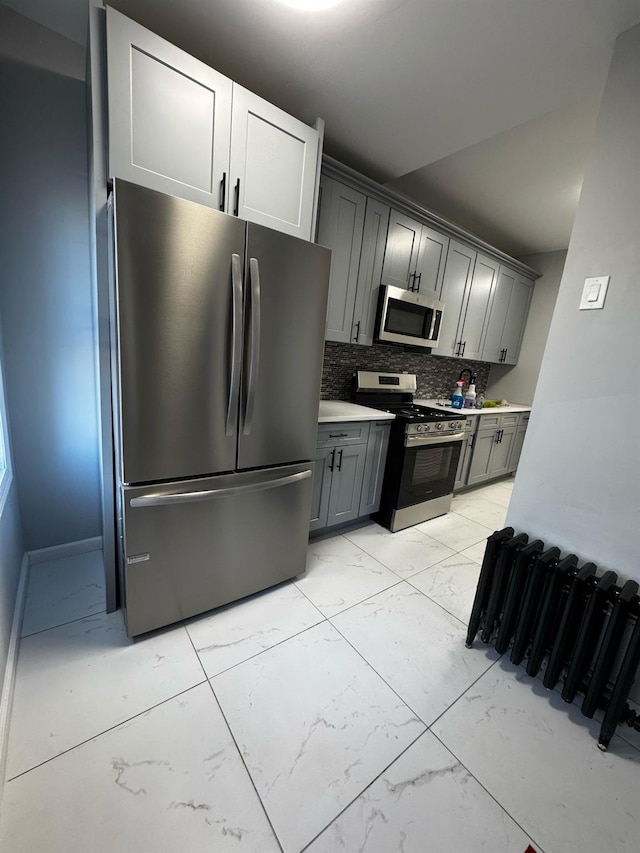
(424,449)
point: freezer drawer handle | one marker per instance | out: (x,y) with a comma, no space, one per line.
(236,345)
(234,491)
(254,274)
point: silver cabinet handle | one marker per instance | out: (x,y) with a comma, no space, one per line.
(211,494)
(236,344)
(254,359)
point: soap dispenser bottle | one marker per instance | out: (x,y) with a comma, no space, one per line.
(457,400)
(470,395)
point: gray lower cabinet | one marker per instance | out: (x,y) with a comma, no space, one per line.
(492,448)
(518,441)
(349,467)
(377,447)
(462,474)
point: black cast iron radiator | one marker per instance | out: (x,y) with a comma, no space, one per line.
(582,628)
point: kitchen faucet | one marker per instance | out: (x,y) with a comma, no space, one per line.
(466,370)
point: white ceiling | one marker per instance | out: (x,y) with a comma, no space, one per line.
(476,105)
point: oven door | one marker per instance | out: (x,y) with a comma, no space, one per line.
(429,469)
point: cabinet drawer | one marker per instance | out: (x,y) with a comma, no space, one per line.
(524,418)
(342,433)
(498,421)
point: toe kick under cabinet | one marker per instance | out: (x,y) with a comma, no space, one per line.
(349,468)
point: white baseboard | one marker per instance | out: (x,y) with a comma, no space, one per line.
(69,549)
(6,697)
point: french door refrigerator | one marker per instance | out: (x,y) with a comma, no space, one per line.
(218,342)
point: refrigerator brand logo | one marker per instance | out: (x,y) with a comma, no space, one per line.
(137,558)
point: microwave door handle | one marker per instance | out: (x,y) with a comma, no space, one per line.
(254,357)
(236,344)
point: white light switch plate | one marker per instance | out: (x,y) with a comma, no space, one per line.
(594,292)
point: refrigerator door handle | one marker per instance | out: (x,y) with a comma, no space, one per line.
(254,359)
(233,491)
(236,345)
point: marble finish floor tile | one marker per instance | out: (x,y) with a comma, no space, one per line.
(80,679)
(451,584)
(539,758)
(315,725)
(416,647)
(405,552)
(62,590)
(481,510)
(238,631)
(340,574)
(170,780)
(455,531)
(426,801)
(475,552)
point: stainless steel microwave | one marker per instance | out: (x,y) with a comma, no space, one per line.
(408,318)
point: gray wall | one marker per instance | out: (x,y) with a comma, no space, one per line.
(518,384)
(46,302)
(11,552)
(578,484)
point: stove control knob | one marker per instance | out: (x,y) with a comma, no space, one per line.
(440,426)
(454,425)
(427,428)
(419,427)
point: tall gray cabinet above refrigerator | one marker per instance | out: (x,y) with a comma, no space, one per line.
(218,343)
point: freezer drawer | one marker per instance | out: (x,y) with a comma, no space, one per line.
(194,545)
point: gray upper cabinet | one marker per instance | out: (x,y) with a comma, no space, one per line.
(476,308)
(516,319)
(415,255)
(507,317)
(376,222)
(340,228)
(354,227)
(178,126)
(401,255)
(272,165)
(469,280)
(457,282)
(169,115)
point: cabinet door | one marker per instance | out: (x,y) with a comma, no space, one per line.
(432,257)
(340,227)
(462,473)
(481,456)
(321,488)
(374,467)
(476,307)
(346,483)
(501,452)
(376,223)
(457,281)
(516,450)
(169,115)
(273,166)
(516,319)
(492,348)
(403,246)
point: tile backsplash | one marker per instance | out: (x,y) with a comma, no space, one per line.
(436,375)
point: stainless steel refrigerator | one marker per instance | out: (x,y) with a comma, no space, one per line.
(218,331)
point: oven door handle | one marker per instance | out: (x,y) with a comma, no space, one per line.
(425,440)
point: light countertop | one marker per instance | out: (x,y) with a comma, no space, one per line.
(512,408)
(338,410)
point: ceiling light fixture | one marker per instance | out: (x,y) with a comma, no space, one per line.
(311,5)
